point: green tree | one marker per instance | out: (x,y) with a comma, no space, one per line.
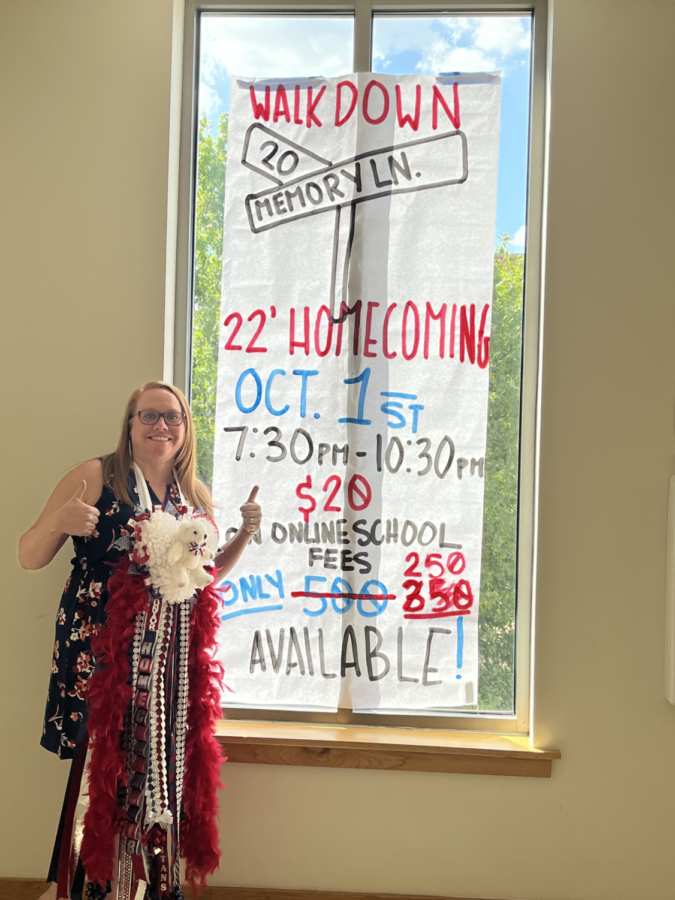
(498,577)
(211,165)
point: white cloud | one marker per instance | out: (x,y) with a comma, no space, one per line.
(518,239)
(209,102)
(457,26)
(442,57)
(392,35)
(261,46)
(452,43)
(503,34)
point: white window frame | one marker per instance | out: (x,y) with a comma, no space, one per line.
(179,285)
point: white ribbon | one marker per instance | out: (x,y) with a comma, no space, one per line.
(144,492)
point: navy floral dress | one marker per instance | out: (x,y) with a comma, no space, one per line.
(81,614)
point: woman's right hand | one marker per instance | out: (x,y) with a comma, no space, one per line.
(76,517)
(67,513)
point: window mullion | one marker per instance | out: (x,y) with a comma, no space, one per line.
(363,35)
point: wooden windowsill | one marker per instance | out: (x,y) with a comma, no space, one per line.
(368,747)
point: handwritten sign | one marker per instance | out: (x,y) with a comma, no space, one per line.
(353,387)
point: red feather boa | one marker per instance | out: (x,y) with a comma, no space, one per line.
(199,828)
(109,695)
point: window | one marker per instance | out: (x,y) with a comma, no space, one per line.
(296,47)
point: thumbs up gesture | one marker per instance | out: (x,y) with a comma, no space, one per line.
(251,513)
(76,517)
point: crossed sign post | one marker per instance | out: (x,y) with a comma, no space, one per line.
(306,184)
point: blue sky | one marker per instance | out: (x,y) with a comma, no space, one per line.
(285,46)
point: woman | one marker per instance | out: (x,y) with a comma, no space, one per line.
(155,459)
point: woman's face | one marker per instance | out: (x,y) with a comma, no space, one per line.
(158,440)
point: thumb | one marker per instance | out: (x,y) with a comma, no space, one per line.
(253,494)
(79,493)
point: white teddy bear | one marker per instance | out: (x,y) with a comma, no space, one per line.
(175,551)
(189,553)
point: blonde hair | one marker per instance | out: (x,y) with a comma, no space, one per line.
(116,465)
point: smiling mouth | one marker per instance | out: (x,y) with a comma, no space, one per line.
(164,439)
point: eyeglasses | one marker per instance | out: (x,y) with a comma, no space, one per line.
(150,417)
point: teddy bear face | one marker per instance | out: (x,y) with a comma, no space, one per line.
(190,532)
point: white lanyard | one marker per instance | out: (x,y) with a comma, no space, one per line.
(144,492)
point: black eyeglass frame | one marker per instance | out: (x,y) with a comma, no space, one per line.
(161,415)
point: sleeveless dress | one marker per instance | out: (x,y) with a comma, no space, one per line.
(81,613)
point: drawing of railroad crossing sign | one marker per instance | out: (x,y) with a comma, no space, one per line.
(306,184)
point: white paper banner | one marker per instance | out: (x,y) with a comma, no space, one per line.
(353,386)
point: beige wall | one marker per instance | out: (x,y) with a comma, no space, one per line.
(83,173)
(84,123)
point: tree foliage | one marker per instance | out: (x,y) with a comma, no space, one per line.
(498,585)
(498,577)
(211,166)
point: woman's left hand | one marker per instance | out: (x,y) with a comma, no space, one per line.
(251,513)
